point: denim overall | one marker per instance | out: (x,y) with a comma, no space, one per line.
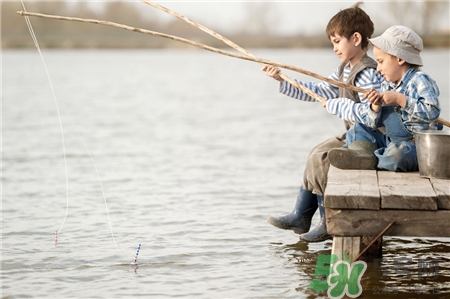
(396,150)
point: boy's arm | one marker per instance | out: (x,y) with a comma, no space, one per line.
(421,101)
(323,89)
(375,99)
(347,109)
(375,105)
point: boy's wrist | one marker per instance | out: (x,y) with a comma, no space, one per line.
(401,100)
(375,108)
(373,114)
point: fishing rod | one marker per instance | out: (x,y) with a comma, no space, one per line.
(244,51)
(234,46)
(208,48)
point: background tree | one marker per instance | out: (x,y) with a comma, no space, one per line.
(261,18)
(424,17)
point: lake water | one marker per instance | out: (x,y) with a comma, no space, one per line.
(193,151)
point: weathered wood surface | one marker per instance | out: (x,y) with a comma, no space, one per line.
(370,222)
(361,203)
(374,190)
(352,189)
(406,191)
(355,248)
(442,189)
(351,246)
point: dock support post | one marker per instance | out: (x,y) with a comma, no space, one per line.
(352,246)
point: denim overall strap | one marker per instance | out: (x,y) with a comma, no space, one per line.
(392,120)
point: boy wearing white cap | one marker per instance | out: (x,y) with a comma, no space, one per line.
(408,102)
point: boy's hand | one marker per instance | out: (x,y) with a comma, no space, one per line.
(375,99)
(272,71)
(393,98)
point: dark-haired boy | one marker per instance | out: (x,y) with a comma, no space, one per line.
(348,31)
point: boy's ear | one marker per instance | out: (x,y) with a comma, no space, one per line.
(400,61)
(357,39)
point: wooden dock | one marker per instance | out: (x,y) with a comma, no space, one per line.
(361,203)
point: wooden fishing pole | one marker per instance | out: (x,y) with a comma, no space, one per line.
(242,50)
(195,44)
(234,46)
(208,48)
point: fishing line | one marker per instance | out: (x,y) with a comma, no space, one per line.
(33,36)
(99,181)
(1,115)
(30,28)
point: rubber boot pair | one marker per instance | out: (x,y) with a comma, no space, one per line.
(318,233)
(358,155)
(299,220)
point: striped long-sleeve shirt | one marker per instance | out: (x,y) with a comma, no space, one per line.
(422,104)
(344,108)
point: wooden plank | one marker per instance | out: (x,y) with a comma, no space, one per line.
(351,246)
(442,189)
(406,191)
(371,223)
(338,243)
(352,189)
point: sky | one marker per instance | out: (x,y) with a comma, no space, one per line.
(285,17)
(288,17)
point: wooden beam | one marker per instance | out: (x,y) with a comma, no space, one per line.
(352,247)
(442,189)
(348,245)
(406,191)
(370,223)
(352,189)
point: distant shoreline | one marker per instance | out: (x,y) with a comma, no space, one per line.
(120,41)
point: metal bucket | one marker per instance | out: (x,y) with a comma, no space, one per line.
(433,153)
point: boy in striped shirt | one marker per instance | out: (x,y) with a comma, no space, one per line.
(409,102)
(348,31)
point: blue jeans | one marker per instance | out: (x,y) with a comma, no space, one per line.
(394,155)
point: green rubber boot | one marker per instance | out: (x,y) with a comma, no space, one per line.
(358,155)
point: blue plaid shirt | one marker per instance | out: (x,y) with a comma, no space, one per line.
(422,105)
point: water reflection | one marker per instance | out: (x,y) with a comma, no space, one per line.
(409,268)
(302,258)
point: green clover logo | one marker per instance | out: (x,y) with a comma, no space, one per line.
(341,277)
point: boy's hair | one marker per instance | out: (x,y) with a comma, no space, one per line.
(351,20)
